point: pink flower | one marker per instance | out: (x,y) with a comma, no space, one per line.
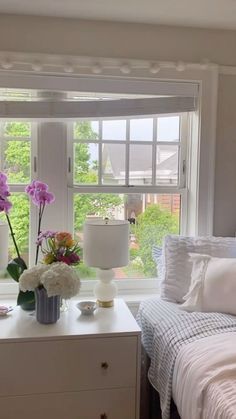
(45,235)
(4,191)
(3,178)
(5,205)
(74,258)
(40,186)
(64,259)
(30,189)
(43,197)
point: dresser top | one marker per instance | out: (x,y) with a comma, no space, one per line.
(114,321)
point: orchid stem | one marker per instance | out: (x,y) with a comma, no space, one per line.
(13,236)
(41,209)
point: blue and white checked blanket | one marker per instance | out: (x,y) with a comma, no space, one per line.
(165,329)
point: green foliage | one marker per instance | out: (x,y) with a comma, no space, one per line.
(17,161)
(101,205)
(15,268)
(85,272)
(83,131)
(16,152)
(17,129)
(19,216)
(151,227)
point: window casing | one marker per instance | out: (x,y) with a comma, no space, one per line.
(68,211)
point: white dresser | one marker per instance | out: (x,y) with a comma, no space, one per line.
(82,367)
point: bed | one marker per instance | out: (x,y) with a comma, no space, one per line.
(192,360)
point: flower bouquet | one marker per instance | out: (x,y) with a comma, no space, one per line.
(58,247)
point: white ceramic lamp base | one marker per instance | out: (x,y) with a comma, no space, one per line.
(105,290)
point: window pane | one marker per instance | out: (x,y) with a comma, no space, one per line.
(17,129)
(19,217)
(151,217)
(16,160)
(167,165)
(114,130)
(113,164)
(141,129)
(168,128)
(86,163)
(86,130)
(140,164)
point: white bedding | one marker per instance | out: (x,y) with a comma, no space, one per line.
(204,381)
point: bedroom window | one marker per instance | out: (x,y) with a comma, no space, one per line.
(130,168)
(121,147)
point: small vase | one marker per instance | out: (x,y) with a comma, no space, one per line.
(47,308)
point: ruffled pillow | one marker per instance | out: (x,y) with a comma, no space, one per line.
(213,285)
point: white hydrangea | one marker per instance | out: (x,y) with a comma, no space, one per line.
(60,279)
(57,278)
(30,278)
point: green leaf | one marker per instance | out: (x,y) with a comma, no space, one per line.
(15,268)
(26,300)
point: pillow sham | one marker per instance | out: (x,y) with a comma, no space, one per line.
(213,285)
(177,266)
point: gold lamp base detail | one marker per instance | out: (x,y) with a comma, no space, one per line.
(105,304)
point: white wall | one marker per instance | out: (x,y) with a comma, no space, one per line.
(225,177)
(71,36)
(138,41)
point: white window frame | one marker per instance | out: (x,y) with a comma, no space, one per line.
(201,155)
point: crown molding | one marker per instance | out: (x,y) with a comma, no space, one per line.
(79,65)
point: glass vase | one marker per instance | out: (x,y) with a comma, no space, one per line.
(47,308)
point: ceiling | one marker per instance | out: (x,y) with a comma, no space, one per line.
(198,13)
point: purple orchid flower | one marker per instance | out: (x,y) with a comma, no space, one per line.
(45,235)
(38,191)
(43,197)
(5,205)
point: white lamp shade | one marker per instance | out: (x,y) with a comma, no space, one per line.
(3,245)
(106,243)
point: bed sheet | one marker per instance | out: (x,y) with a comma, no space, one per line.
(204,379)
(166,331)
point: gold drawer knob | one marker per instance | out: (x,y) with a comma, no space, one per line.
(103,416)
(104,366)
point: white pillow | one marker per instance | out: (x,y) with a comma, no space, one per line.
(177,269)
(213,285)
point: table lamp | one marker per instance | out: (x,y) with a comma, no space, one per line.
(3,245)
(106,246)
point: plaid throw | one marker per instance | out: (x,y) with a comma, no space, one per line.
(165,329)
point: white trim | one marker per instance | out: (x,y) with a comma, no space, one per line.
(204,176)
(206,154)
(142,286)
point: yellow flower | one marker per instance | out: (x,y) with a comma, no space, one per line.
(64,239)
(48,258)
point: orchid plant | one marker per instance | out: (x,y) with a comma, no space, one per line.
(38,192)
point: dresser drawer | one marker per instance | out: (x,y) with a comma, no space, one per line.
(102,404)
(68,365)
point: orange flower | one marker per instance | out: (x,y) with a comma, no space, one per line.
(64,239)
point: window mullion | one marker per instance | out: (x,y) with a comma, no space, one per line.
(127,152)
(100,143)
(154,151)
(70,153)
(183,150)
